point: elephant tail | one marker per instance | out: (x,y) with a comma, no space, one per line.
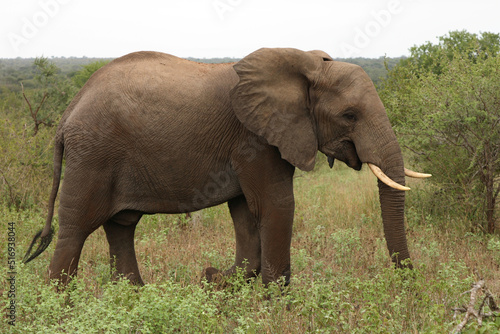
(46,234)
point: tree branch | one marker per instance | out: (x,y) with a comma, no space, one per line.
(34,115)
(27,101)
(478,287)
(497,191)
(40,105)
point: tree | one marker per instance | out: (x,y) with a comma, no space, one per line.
(444,103)
(81,77)
(53,94)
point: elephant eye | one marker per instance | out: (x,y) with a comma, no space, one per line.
(350,116)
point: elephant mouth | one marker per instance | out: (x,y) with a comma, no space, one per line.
(344,151)
(349,156)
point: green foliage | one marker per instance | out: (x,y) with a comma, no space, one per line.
(494,248)
(345,242)
(25,164)
(436,57)
(375,68)
(388,302)
(26,145)
(47,103)
(15,71)
(81,77)
(444,104)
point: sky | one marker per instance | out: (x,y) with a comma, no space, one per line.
(234,28)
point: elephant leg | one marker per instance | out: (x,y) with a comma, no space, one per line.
(64,263)
(263,247)
(267,183)
(276,236)
(247,237)
(120,231)
(247,241)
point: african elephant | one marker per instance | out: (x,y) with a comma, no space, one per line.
(153,133)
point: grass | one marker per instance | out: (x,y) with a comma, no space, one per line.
(342,278)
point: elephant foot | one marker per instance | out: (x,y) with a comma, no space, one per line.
(134,279)
(213,275)
(220,279)
(210,273)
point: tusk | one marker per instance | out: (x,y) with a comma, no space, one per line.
(410,173)
(384,178)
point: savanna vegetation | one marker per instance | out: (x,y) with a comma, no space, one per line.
(444,104)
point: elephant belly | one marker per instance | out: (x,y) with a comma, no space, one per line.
(179,190)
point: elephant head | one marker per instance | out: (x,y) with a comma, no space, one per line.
(302,102)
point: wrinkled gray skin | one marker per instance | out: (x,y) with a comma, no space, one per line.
(153,133)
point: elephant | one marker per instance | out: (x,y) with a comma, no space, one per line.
(153,133)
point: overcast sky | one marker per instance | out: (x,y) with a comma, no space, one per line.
(234,28)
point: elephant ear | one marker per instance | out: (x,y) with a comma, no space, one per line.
(272,100)
(322,54)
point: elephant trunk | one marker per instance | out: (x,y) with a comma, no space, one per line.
(392,203)
(376,144)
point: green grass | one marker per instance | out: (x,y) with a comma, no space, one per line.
(342,278)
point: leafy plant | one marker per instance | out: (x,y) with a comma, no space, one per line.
(83,75)
(444,103)
(53,96)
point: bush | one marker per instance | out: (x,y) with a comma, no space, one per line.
(444,103)
(82,76)
(25,164)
